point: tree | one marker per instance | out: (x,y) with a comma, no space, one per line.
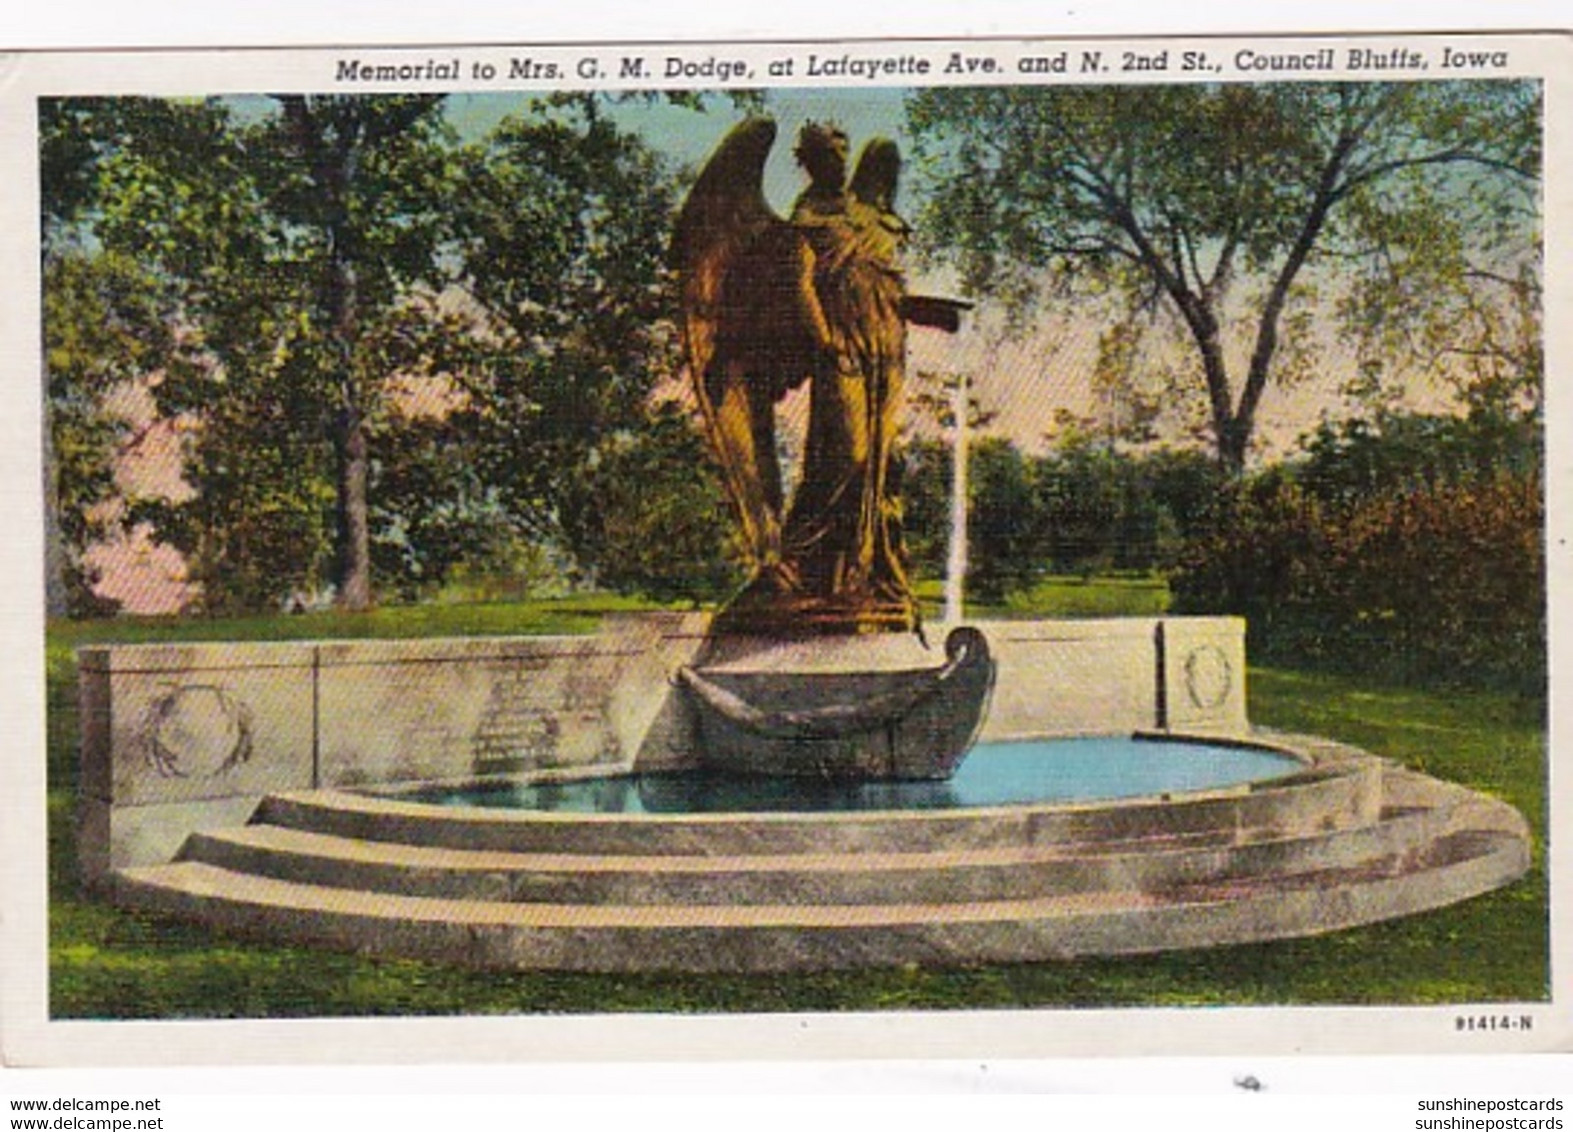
(301,236)
(561,236)
(1084,493)
(65,160)
(432,514)
(651,517)
(324,256)
(1005,549)
(925,468)
(366,188)
(106,323)
(1356,460)
(103,328)
(1219,206)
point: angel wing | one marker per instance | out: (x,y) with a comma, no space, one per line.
(749,305)
(725,213)
(874,185)
(752,323)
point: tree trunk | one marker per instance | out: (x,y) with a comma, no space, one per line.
(353,528)
(353,532)
(354,524)
(57,601)
(331,152)
(1234,443)
(1231,428)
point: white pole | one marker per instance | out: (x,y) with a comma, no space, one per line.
(956,567)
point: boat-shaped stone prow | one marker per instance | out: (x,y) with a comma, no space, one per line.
(873,724)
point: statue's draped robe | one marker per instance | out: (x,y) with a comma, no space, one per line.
(842,537)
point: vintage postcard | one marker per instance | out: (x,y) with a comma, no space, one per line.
(1001,547)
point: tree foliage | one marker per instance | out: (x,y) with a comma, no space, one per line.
(1004,525)
(410,352)
(1083,507)
(650,517)
(107,322)
(924,466)
(1406,543)
(104,327)
(297,233)
(1226,209)
(561,237)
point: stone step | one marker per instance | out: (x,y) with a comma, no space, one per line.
(779,937)
(1315,800)
(869,877)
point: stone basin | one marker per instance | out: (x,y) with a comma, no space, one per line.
(265,789)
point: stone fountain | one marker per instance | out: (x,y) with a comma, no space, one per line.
(357,794)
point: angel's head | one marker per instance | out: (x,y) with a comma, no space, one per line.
(822,152)
(879,170)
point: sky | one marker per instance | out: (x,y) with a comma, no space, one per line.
(687,136)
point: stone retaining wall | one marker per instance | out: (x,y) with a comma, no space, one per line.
(1184,674)
(183,737)
(178,738)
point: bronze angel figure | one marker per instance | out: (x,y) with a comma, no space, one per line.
(819,297)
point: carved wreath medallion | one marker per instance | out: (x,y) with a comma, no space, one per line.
(1209,677)
(197,731)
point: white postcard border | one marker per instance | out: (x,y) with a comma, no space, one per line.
(30,1037)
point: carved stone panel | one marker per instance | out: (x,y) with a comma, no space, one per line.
(183,723)
(1071,677)
(415,710)
(1204,674)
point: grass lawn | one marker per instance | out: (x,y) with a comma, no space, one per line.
(1065,595)
(105,963)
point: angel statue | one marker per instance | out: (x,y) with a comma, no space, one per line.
(769,304)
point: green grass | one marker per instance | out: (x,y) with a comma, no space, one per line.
(1141,596)
(105,963)
(1065,595)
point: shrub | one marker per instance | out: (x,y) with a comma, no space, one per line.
(1265,560)
(1450,580)
(1440,582)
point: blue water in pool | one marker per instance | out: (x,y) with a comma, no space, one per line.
(993,774)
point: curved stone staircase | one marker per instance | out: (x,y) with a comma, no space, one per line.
(1350,840)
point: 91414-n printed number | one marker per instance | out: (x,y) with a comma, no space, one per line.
(1477,1023)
